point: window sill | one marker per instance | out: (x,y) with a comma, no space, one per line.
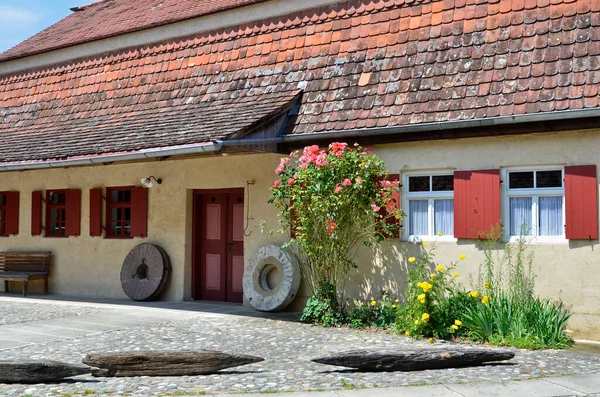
(430,239)
(538,240)
(118,238)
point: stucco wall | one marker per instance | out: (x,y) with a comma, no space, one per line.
(568,270)
(90,266)
(87,266)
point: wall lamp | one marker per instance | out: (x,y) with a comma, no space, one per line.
(147,182)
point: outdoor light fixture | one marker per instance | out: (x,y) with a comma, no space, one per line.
(147,182)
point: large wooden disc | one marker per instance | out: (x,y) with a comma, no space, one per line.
(145,272)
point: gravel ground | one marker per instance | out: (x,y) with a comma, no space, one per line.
(18,312)
(287,347)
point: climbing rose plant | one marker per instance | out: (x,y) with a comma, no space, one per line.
(330,201)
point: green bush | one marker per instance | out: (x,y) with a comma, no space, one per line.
(376,313)
(322,308)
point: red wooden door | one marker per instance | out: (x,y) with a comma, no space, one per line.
(218,245)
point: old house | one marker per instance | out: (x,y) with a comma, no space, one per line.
(487,109)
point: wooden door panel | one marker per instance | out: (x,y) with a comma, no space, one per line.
(213,247)
(235,268)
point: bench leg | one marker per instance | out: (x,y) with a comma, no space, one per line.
(46,286)
(5,285)
(25,285)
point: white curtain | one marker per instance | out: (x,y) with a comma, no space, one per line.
(443,218)
(551,216)
(520,216)
(417,217)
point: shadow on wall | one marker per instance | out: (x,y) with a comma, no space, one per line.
(383,267)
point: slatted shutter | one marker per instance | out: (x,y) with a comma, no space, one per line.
(12,213)
(96,212)
(139,212)
(581,202)
(476,202)
(36,213)
(73,207)
(394,204)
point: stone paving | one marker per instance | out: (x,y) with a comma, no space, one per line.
(287,347)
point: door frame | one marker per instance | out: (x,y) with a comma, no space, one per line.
(195,245)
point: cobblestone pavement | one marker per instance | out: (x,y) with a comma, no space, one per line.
(287,347)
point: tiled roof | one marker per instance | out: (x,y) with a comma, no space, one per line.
(108,18)
(364,64)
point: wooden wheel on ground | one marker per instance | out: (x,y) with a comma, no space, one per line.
(145,272)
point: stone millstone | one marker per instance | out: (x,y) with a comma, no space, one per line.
(413,360)
(41,371)
(167,363)
(145,272)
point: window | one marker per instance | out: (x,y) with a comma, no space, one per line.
(118,212)
(534,202)
(56,213)
(429,204)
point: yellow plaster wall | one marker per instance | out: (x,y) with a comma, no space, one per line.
(90,266)
(569,270)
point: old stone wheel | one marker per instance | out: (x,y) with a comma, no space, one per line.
(271,279)
(145,272)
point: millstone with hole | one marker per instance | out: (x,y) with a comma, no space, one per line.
(145,272)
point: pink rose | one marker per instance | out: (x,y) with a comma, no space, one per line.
(347,182)
(376,208)
(276,184)
(338,188)
(291,181)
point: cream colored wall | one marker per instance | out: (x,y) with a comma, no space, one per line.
(86,266)
(90,266)
(568,270)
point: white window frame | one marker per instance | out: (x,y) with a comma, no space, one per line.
(430,197)
(535,194)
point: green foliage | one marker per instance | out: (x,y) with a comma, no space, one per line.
(322,308)
(430,299)
(376,313)
(509,314)
(331,199)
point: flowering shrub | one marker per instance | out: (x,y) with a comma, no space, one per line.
(331,200)
(429,299)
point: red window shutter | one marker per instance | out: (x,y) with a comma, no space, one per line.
(139,212)
(12,213)
(73,206)
(581,202)
(393,204)
(36,213)
(95,212)
(476,202)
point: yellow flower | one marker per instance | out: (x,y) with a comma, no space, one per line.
(407,333)
(416,322)
(425,317)
(454,327)
(441,268)
(455,274)
(425,286)
(487,285)
(458,322)
(393,306)
(425,244)
(421,298)
(439,234)
(412,259)
(431,340)
(397,300)
(485,299)
(461,257)
(373,303)
(432,277)
(474,294)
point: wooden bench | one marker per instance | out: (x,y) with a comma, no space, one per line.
(24,266)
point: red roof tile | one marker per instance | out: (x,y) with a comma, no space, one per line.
(364,65)
(108,18)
